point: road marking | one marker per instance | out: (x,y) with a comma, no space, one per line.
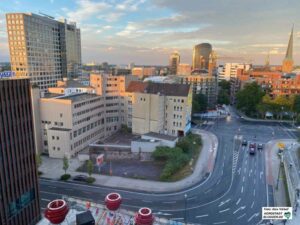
(46,200)
(51,186)
(222,203)
(260,175)
(254,180)
(176,218)
(221,211)
(241,216)
(242,189)
(238,201)
(170,202)
(191,198)
(239,171)
(202,216)
(207,191)
(241,208)
(220,222)
(147,201)
(219,179)
(252,205)
(243,178)
(254,215)
(254,192)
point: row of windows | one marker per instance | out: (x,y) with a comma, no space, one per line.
(87,110)
(87,118)
(112,119)
(87,128)
(85,139)
(87,102)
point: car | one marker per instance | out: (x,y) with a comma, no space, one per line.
(260,147)
(82,178)
(252,148)
(244,142)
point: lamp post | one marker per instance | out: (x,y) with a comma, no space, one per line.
(185,208)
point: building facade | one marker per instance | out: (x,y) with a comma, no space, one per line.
(143,71)
(229,70)
(43,49)
(201,55)
(160,108)
(174,62)
(184,69)
(19,188)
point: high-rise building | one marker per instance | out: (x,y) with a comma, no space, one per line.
(288,62)
(201,54)
(19,191)
(174,62)
(229,70)
(43,49)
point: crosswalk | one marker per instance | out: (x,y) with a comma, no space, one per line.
(237,142)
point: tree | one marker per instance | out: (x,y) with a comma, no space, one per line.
(90,167)
(38,159)
(249,97)
(65,164)
(199,103)
(296,104)
(225,85)
(223,97)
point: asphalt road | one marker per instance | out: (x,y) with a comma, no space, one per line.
(233,194)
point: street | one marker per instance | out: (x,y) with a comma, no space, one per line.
(233,193)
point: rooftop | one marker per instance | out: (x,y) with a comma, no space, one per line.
(76,97)
(72,84)
(159,88)
(161,136)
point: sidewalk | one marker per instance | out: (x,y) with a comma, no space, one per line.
(52,168)
(272,164)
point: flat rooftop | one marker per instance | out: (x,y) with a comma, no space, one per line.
(161,136)
(73,97)
(121,138)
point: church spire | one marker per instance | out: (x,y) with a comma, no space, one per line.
(289,51)
(288,63)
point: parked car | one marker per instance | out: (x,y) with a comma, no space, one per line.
(82,178)
(244,142)
(252,148)
(260,147)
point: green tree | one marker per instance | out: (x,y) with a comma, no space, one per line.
(38,159)
(90,167)
(249,97)
(199,103)
(296,104)
(225,85)
(65,164)
(223,97)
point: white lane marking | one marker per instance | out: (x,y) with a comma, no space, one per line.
(241,208)
(222,203)
(254,180)
(254,192)
(51,186)
(254,215)
(242,189)
(207,191)
(243,178)
(191,198)
(170,202)
(260,175)
(202,216)
(220,222)
(241,216)
(46,200)
(238,201)
(147,201)
(219,179)
(252,205)
(239,171)
(221,211)
(176,218)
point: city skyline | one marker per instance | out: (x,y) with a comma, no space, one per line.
(147,32)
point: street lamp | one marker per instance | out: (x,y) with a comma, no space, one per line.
(185,208)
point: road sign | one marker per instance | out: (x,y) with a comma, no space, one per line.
(281,145)
(100,159)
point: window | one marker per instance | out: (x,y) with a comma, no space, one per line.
(53,137)
(57,138)
(61,115)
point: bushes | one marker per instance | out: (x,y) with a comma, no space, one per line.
(176,158)
(90,180)
(65,177)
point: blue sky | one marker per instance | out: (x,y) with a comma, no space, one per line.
(147,31)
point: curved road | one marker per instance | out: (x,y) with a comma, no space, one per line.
(234,193)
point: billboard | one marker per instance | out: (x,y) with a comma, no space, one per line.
(7,74)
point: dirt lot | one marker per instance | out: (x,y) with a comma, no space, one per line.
(149,170)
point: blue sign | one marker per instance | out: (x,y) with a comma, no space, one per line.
(7,74)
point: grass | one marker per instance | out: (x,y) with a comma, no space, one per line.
(186,170)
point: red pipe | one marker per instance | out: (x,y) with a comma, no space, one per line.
(113,201)
(144,217)
(56,211)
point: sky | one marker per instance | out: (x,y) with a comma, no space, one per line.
(148,31)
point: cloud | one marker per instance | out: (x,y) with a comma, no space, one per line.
(129,5)
(86,9)
(111,17)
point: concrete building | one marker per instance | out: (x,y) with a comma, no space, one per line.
(160,108)
(174,61)
(202,83)
(143,71)
(229,70)
(201,54)
(43,49)
(19,187)
(70,123)
(184,69)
